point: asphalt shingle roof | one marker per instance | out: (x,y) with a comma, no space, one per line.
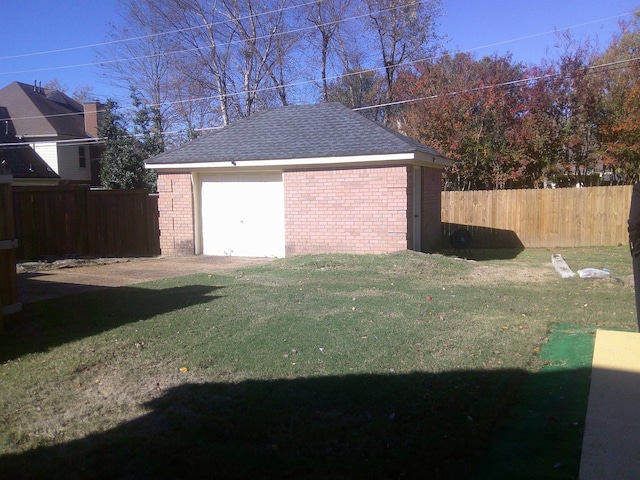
(303,131)
(24,162)
(41,111)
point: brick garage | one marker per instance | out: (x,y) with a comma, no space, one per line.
(299,180)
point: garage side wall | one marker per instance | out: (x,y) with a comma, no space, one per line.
(175,205)
(431,209)
(360,211)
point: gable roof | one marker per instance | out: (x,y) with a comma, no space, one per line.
(42,112)
(294,132)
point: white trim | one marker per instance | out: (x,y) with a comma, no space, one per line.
(196,188)
(419,158)
(71,141)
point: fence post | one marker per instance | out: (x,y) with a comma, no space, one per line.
(8,277)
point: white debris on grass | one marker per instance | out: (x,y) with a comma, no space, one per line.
(593,273)
(561,266)
(565,271)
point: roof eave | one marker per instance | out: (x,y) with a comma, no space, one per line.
(417,158)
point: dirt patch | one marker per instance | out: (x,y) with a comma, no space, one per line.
(54,263)
(59,278)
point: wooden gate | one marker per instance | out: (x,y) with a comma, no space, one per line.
(8,244)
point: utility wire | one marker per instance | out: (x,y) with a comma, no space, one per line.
(219,45)
(336,77)
(233,42)
(151,35)
(601,68)
(618,64)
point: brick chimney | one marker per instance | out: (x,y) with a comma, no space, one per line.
(92,115)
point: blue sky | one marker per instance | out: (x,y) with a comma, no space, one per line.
(31,28)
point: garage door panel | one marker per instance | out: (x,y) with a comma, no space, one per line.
(243,215)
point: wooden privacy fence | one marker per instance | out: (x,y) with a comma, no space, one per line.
(8,280)
(74,220)
(564,217)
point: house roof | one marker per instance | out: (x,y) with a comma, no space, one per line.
(23,162)
(42,112)
(19,159)
(294,132)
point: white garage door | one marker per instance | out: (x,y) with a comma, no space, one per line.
(243,215)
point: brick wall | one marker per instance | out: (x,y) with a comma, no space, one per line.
(175,204)
(346,211)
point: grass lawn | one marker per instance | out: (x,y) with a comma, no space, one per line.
(335,366)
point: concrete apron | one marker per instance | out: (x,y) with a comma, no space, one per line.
(611,443)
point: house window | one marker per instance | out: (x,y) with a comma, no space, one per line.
(82,159)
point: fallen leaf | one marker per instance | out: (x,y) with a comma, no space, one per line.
(184,369)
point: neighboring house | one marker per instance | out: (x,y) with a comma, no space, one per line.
(22,161)
(297,180)
(62,131)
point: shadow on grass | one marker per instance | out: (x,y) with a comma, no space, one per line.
(416,425)
(484,254)
(46,324)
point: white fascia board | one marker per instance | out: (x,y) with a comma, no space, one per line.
(432,160)
(416,158)
(28,136)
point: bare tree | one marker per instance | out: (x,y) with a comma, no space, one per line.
(138,58)
(81,94)
(202,51)
(207,62)
(327,16)
(405,30)
(256,24)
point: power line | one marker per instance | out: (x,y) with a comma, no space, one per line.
(227,44)
(152,35)
(312,81)
(224,44)
(605,67)
(534,35)
(502,84)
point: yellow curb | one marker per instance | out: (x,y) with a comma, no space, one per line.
(611,440)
